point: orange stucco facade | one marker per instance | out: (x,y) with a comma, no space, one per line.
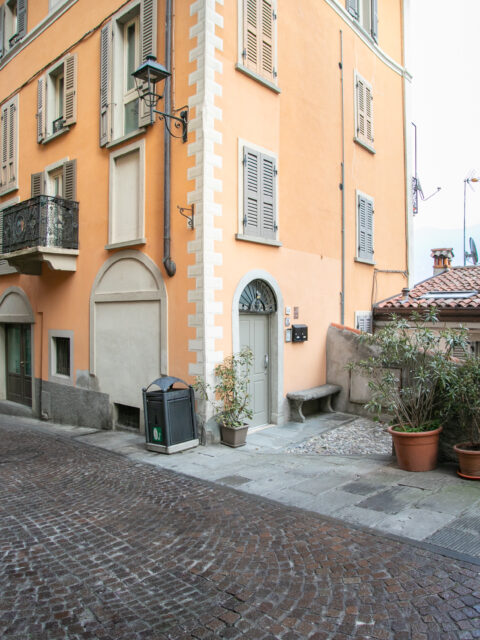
(298,112)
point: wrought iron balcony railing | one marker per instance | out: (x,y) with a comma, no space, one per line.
(43,221)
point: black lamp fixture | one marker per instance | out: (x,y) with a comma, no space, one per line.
(148,74)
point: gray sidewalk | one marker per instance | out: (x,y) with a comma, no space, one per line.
(437,507)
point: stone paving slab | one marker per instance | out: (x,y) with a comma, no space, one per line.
(95,546)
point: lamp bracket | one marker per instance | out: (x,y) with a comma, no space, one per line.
(190,218)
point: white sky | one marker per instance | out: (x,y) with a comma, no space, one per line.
(445,62)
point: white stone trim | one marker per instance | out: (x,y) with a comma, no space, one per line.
(203,124)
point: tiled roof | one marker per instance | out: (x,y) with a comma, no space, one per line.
(458,288)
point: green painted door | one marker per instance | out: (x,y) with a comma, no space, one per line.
(254,334)
(19,363)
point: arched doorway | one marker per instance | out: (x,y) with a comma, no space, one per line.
(128,344)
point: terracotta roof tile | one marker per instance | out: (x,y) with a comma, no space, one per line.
(456,280)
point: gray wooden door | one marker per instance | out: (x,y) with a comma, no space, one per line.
(254,334)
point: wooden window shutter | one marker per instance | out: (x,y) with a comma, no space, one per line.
(368,113)
(250,34)
(4,148)
(374,29)
(365,228)
(148,40)
(360,108)
(353,8)
(41,109)
(251,192)
(12,144)
(2,30)
(364,105)
(38,184)
(21,18)
(268,177)
(364,321)
(106,84)
(70,180)
(70,92)
(266,39)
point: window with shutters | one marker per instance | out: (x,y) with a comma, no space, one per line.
(258,195)
(365,211)
(13,24)
(364,113)
(364,321)
(9,146)
(58,179)
(257,55)
(125,42)
(366,13)
(60,356)
(57,99)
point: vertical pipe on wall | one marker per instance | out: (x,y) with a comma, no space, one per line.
(342,186)
(168,263)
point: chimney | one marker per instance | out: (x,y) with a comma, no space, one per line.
(442,260)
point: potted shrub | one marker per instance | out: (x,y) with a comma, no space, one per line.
(229,396)
(461,404)
(405,375)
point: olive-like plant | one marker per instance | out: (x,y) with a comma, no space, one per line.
(229,395)
(408,369)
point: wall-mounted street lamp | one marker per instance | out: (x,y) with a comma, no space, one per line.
(148,74)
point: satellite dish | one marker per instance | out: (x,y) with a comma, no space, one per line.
(473,251)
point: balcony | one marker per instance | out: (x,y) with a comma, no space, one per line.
(42,229)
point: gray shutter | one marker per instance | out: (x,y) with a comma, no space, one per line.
(352,8)
(268,177)
(360,97)
(70,92)
(374,19)
(365,228)
(266,45)
(2,30)
(106,84)
(4,149)
(12,143)
(250,34)
(41,109)
(148,28)
(251,192)
(21,18)
(70,180)
(38,184)
(368,113)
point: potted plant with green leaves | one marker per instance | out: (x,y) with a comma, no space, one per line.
(405,373)
(461,407)
(229,396)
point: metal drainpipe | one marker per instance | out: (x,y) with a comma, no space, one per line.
(342,187)
(168,263)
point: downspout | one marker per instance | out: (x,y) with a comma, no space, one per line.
(342,187)
(168,263)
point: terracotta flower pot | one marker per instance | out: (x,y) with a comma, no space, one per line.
(468,460)
(416,451)
(234,437)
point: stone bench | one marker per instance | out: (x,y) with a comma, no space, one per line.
(297,398)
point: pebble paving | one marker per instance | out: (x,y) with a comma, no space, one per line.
(93,545)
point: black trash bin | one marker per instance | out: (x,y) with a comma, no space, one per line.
(170,424)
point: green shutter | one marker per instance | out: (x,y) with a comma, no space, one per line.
(374,19)
(251,192)
(365,228)
(70,92)
(2,30)
(41,109)
(70,180)
(148,28)
(38,184)
(21,18)
(106,84)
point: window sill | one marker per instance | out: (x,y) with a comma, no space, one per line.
(365,145)
(126,243)
(258,240)
(126,137)
(55,135)
(365,261)
(8,190)
(258,78)
(59,378)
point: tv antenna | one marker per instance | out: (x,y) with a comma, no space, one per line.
(416,186)
(468,180)
(473,251)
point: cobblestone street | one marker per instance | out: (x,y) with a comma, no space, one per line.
(93,545)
